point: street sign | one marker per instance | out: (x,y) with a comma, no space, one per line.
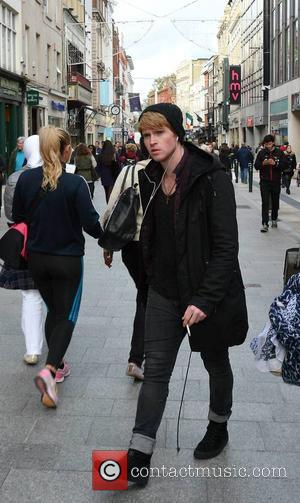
(117,129)
(33,98)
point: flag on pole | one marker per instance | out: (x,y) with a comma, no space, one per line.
(188,120)
(134,102)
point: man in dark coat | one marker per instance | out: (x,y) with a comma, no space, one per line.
(189,242)
(270,162)
(244,157)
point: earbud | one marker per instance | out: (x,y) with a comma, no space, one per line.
(177,138)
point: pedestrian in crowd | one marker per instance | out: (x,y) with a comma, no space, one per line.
(235,162)
(189,241)
(289,170)
(17,158)
(108,168)
(225,159)
(131,258)
(130,156)
(215,148)
(2,175)
(21,279)
(259,147)
(86,166)
(270,162)
(244,157)
(284,146)
(56,247)
(92,150)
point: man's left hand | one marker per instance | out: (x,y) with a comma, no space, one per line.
(193,315)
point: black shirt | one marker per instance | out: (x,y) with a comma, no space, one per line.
(164,266)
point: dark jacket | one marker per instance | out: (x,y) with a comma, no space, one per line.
(57,223)
(84,167)
(244,156)
(270,173)
(291,164)
(108,173)
(206,239)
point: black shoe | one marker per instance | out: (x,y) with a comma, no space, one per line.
(213,442)
(288,191)
(138,468)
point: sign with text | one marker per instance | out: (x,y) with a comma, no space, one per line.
(33,98)
(235,86)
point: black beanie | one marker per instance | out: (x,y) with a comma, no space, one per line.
(172,113)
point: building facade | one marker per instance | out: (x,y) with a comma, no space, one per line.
(285,72)
(77,68)
(12,81)
(255,63)
(188,81)
(42,64)
(102,82)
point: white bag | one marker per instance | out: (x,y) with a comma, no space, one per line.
(263,362)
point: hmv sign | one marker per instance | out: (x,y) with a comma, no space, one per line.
(235,86)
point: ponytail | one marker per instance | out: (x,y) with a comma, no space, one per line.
(53,141)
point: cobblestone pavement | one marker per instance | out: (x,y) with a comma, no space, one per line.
(45,455)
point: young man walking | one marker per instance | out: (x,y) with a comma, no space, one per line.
(189,242)
(270,162)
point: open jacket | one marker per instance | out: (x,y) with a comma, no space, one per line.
(206,235)
(268,172)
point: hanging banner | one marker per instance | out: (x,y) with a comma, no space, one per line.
(235,85)
(134,102)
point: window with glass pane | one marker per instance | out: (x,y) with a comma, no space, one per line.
(296,48)
(280,58)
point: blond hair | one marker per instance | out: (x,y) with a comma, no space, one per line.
(153,120)
(131,147)
(53,141)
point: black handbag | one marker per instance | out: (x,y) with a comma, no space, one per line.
(120,228)
(291,263)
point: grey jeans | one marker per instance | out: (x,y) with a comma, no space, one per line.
(163,336)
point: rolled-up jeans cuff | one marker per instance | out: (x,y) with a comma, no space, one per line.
(142,443)
(212,416)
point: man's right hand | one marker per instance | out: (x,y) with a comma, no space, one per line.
(108,258)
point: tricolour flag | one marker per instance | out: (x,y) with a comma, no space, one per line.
(188,120)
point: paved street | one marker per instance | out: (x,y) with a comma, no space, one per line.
(45,455)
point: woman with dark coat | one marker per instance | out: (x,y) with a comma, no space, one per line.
(189,243)
(108,168)
(85,165)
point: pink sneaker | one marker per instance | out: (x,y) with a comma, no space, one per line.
(47,387)
(62,373)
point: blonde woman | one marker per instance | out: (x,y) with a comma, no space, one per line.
(56,247)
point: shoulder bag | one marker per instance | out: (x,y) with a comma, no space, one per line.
(120,227)
(13,244)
